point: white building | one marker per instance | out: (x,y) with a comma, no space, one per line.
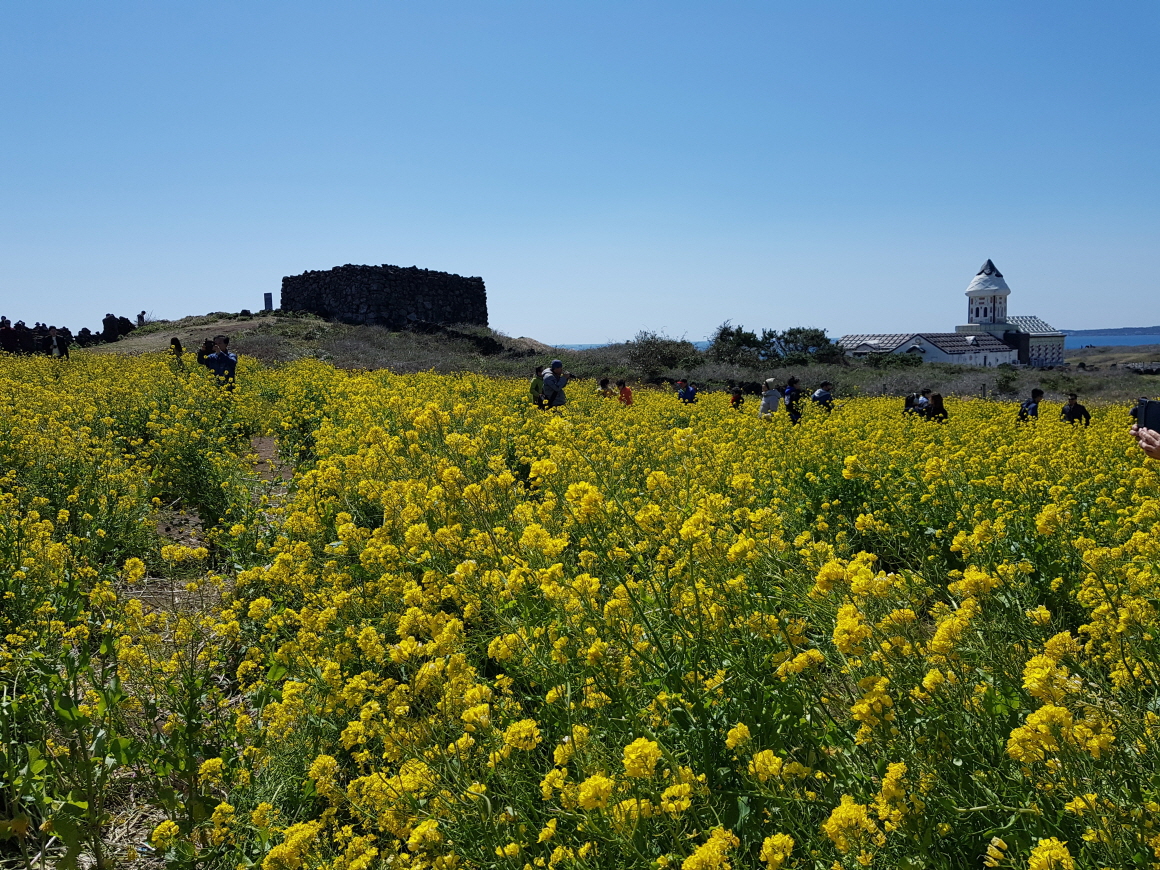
(946,347)
(1038,342)
(989,338)
(1045,347)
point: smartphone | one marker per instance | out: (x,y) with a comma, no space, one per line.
(1148,415)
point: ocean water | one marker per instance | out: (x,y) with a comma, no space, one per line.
(1070,342)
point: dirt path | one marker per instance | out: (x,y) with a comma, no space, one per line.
(270,467)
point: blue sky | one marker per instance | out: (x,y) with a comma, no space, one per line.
(606,167)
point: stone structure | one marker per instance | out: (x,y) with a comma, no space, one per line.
(989,338)
(392,296)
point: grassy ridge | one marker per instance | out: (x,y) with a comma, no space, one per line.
(279,339)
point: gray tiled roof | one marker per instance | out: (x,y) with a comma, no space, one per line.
(959,342)
(1033,325)
(885,342)
(947,342)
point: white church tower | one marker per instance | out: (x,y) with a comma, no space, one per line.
(987,299)
(1038,343)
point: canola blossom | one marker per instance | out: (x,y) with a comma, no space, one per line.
(464,633)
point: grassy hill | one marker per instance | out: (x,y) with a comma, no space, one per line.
(278,338)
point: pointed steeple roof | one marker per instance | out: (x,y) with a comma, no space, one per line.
(988,281)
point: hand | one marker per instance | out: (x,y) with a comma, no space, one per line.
(1149,441)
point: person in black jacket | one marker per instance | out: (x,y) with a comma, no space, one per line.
(55,345)
(793,398)
(936,410)
(1073,412)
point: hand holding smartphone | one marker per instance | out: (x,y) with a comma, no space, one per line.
(1148,415)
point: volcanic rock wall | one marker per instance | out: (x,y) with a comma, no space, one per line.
(393,296)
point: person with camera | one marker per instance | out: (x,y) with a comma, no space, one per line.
(221,362)
(555,379)
(1146,429)
(1149,441)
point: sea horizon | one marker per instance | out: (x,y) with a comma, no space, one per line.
(1070,342)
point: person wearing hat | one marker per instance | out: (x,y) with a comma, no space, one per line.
(555,379)
(770,397)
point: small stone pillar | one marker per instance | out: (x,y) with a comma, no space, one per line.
(268,300)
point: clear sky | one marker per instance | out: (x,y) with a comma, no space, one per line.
(605,167)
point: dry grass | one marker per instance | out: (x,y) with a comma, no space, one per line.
(279,338)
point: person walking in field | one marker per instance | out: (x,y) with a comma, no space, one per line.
(736,399)
(555,379)
(1073,412)
(536,389)
(1029,410)
(55,345)
(793,398)
(770,397)
(625,395)
(686,392)
(823,397)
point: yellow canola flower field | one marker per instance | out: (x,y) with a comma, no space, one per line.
(471,634)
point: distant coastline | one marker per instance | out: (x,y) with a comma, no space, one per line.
(1123,330)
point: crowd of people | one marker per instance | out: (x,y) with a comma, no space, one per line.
(547,392)
(55,341)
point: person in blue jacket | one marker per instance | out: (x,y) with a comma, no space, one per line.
(686,392)
(1029,410)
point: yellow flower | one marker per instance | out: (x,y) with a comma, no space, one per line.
(737,735)
(164,834)
(1050,854)
(713,853)
(595,792)
(775,850)
(211,770)
(548,831)
(641,757)
(524,734)
(850,826)
(765,765)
